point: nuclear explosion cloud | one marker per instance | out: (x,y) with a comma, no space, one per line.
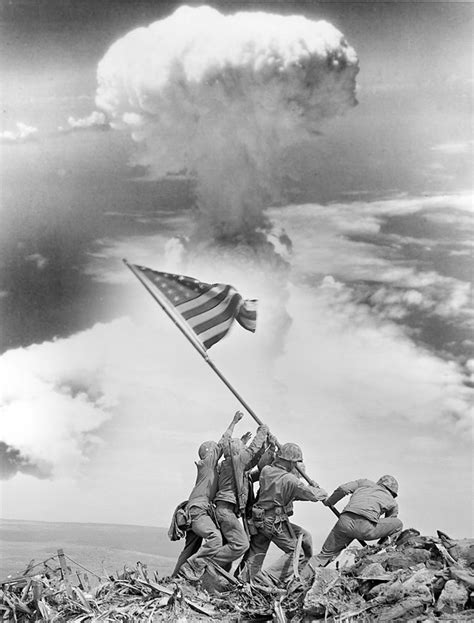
(224,99)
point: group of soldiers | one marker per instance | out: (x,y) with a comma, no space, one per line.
(224,520)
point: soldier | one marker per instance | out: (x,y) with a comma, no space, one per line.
(231,497)
(279,488)
(361,518)
(200,509)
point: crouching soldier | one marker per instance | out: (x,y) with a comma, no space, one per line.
(361,518)
(199,507)
(279,488)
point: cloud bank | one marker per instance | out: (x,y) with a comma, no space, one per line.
(23,134)
(53,398)
(393,273)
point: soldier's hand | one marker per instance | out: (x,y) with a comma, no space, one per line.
(263,428)
(326,502)
(272,440)
(246,438)
(237,416)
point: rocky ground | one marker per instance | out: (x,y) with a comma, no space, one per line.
(418,579)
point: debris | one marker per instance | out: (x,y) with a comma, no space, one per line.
(331,594)
(374,571)
(316,600)
(453,597)
(405,610)
(418,579)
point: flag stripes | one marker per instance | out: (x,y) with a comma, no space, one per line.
(247,317)
(207,302)
(208,310)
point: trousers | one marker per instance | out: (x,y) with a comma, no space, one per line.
(254,558)
(203,526)
(350,526)
(236,540)
(285,536)
(191,546)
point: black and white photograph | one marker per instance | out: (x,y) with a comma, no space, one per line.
(236,319)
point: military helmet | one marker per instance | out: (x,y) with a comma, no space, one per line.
(205,448)
(290,452)
(389,482)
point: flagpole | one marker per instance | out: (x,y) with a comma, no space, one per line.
(199,346)
(195,341)
(163,303)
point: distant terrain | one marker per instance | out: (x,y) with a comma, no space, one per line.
(102,548)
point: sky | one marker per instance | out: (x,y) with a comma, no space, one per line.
(329,179)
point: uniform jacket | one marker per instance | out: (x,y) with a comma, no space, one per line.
(242,462)
(280,488)
(207,476)
(368,499)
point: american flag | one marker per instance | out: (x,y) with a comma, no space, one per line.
(209,309)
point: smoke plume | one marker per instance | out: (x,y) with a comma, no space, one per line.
(12,462)
(224,99)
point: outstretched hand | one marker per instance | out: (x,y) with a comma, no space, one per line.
(237,417)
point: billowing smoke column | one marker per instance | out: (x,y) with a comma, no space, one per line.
(223,99)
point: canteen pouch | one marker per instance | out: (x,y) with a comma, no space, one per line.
(183,520)
(258,516)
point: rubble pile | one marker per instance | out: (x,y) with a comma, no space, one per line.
(417,579)
(54,596)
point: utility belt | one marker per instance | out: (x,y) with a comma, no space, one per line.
(272,516)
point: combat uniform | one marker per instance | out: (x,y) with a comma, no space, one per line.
(360,519)
(231,496)
(200,510)
(279,488)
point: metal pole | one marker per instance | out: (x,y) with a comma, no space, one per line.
(177,320)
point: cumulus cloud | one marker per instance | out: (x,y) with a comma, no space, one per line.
(454,148)
(38,259)
(13,462)
(96,120)
(368,361)
(22,134)
(157,251)
(223,99)
(53,398)
(347,241)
